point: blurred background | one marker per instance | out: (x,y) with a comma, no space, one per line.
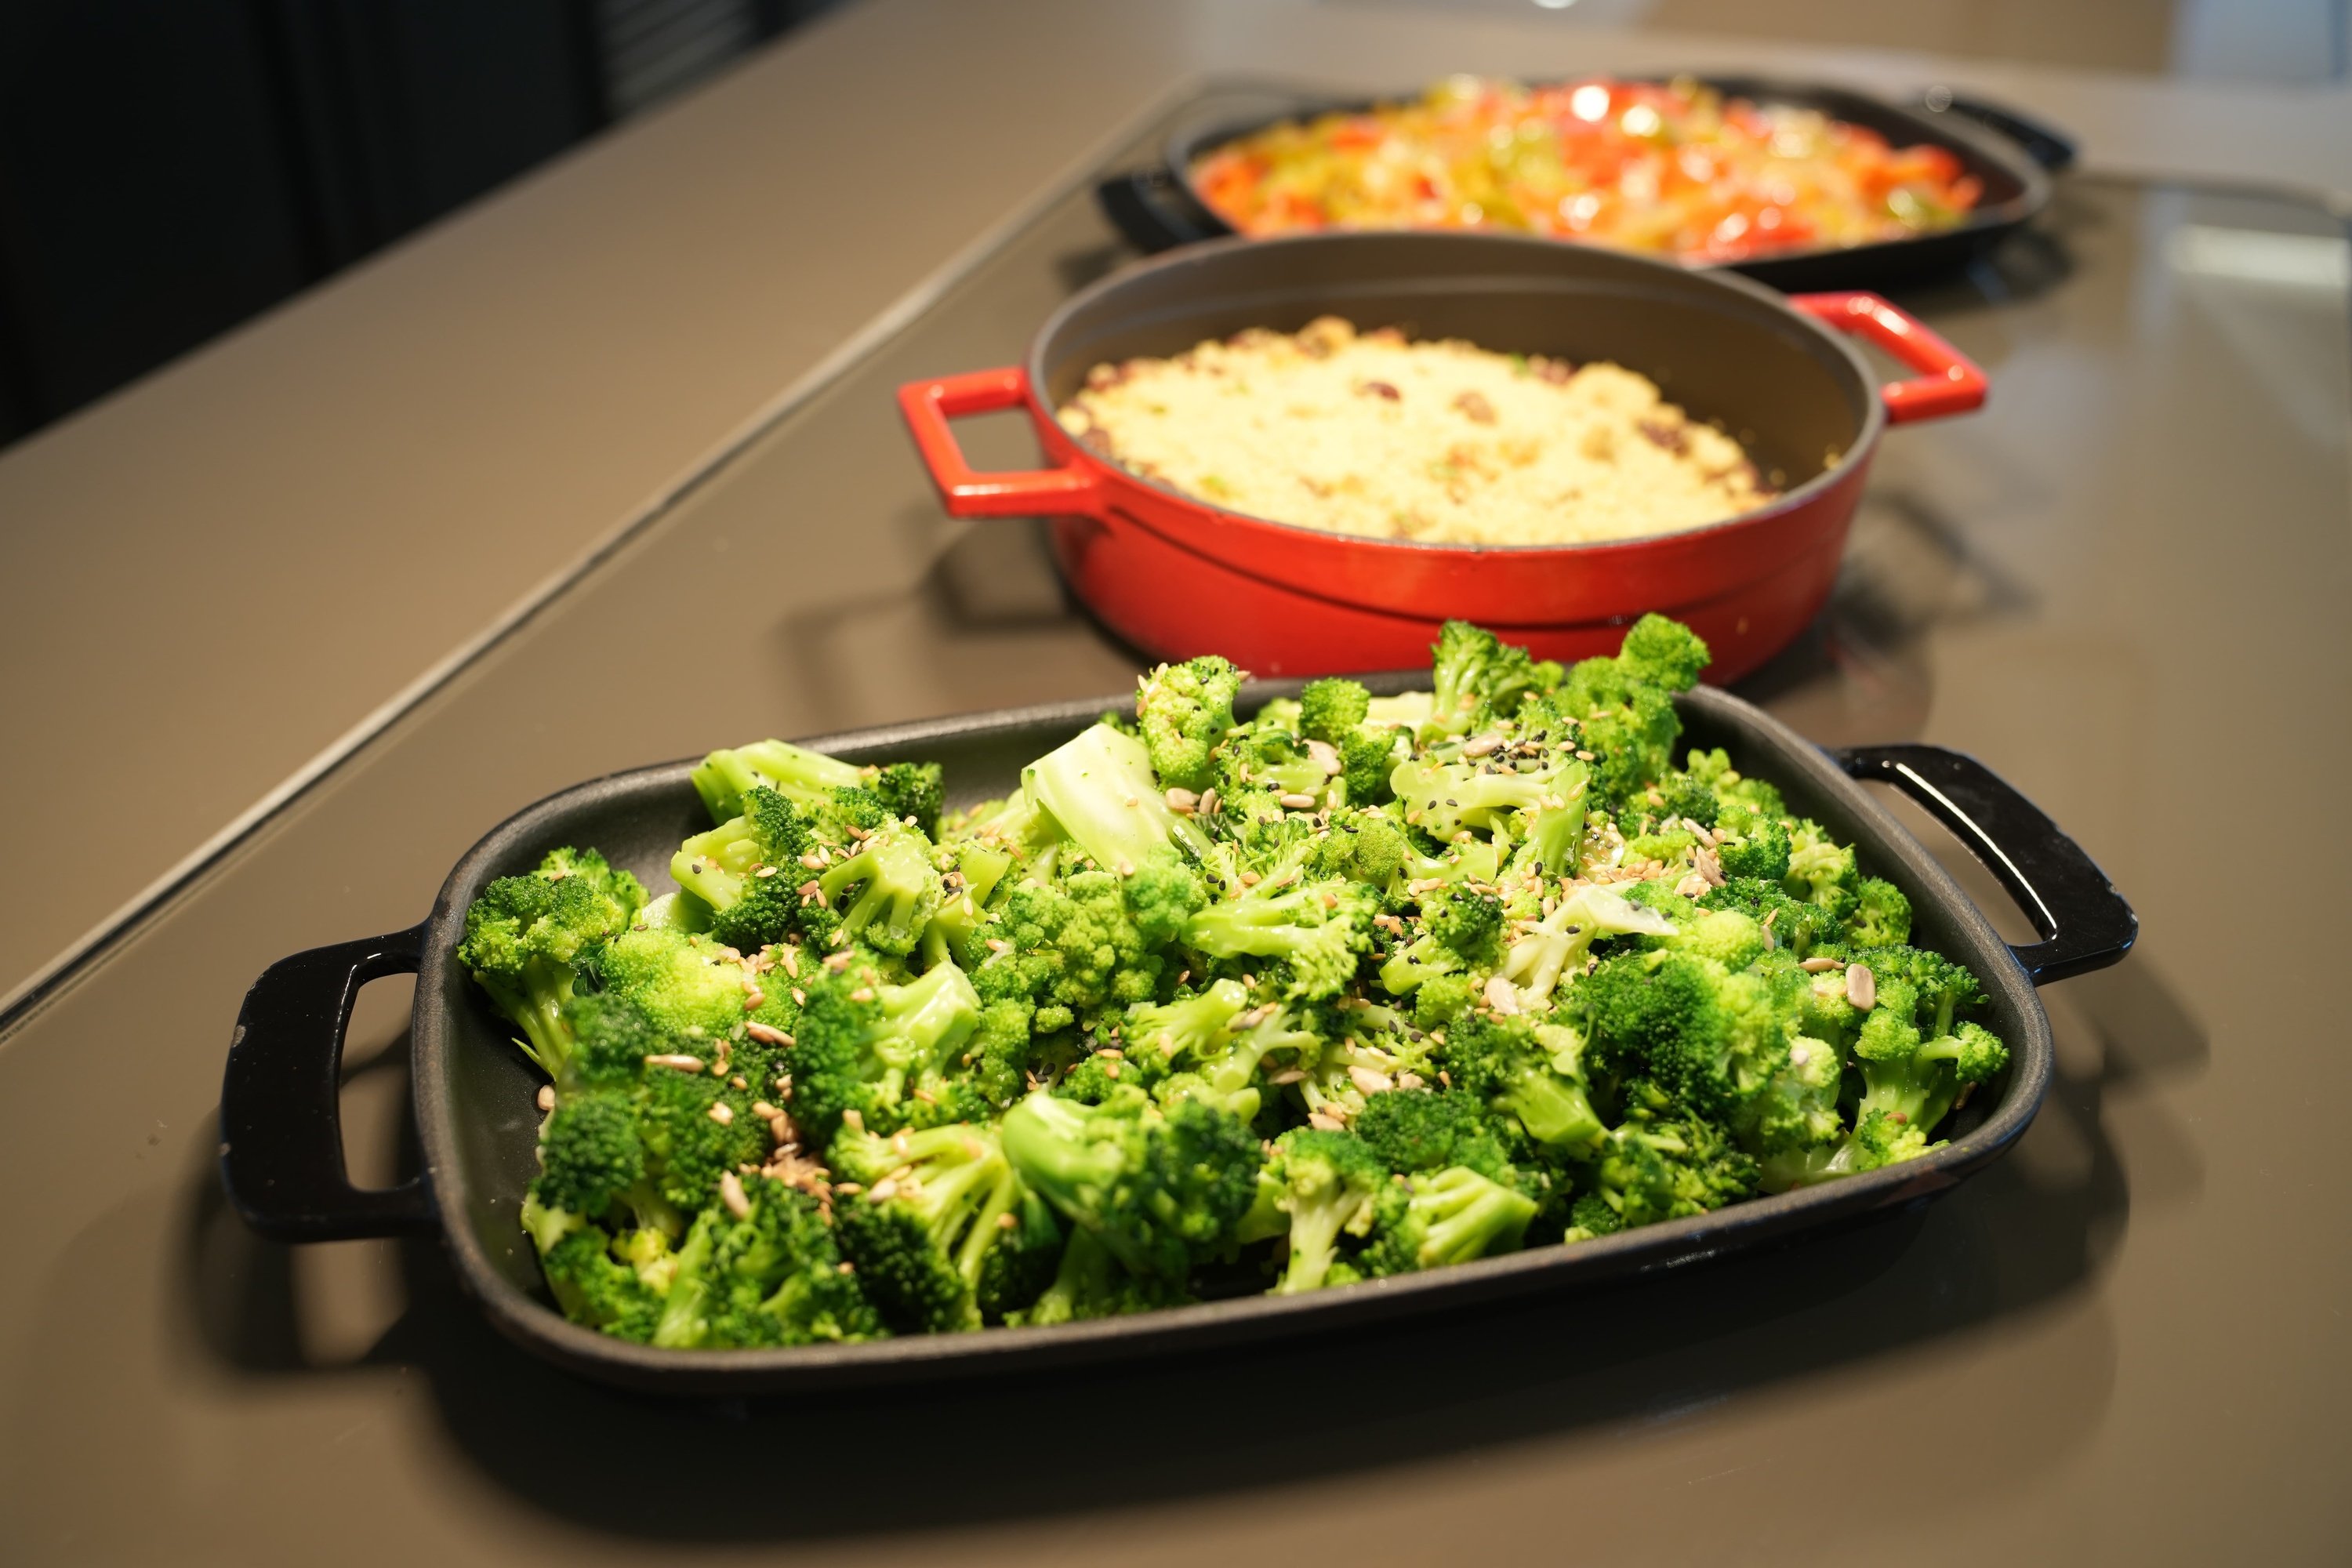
(169,168)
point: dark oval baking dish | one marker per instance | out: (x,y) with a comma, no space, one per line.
(474,1094)
(1160,207)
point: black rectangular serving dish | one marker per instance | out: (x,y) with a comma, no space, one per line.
(1158,207)
(475,1093)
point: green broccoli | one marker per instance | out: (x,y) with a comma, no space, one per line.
(1455,1215)
(1459,931)
(1183,711)
(1882,915)
(885,1055)
(1508,1065)
(1333,709)
(1089,1282)
(934,1205)
(1415,1130)
(1318,931)
(1662,1163)
(1479,677)
(761,1269)
(1158,1191)
(1325,1183)
(525,934)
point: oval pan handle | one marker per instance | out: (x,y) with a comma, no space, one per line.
(2084,923)
(1032,492)
(1155,212)
(281,1124)
(2051,148)
(1950,382)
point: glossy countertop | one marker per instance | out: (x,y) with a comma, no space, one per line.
(2121,585)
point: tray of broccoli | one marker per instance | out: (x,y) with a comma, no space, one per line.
(1062,1034)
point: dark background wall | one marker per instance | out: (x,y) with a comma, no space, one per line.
(170,167)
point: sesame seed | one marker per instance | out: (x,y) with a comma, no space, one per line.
(721,1114)
(767,1033)
(546,1097)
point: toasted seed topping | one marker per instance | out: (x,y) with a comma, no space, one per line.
(767,1033)
(1860,986)
(1502,996)
(1296,802)
(854,1119)
(678,1059)
(754,997)
(1479,745)
(1287,1075)
(1693,886)
(1327,1123)
(1006,1220)
(1327,757)
(730,1193)
(1816,965)
(720,1113)
(884,1190)
(1370,1082)
(1411,1080)
(546,1097)
(1183,802)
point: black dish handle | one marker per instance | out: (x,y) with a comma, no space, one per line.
(2051,148)
(281,1124)
(1155,212)
(2084,923)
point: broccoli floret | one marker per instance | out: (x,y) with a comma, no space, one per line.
(1558,944)
(915,790)
(1367,756)
(1460,930)
(1750,845)
(1160,1191)
(1183,711)
(690,986)
(1443,797)
(525,934)
(1325,1183)
(1796,926)
(1413,1131)
(1192,1029)
(1713,1037)
(688,1148)
(898,889)
(1089,1282)
(590,1153)
(1443,999)
(1661,1163)
(1942,988)
(589,1283)
(761,1269)
(934,1205)
(1507,1063)
(1318,930)
(1368,848)
(1477,676)
(1092,940)
(807,777)
(1100,787)
(1222,1071)
(1798,1110)
(1452,1217)
(748,872)
(866,1048)
(1821,872)
(1624,706)
(1913,1081)
(1881,916)
(1333,709)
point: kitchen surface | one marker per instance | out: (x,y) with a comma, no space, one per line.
(367,572)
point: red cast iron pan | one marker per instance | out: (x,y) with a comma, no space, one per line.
(1179,576)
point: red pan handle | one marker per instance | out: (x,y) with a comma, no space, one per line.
(1950,382)
(1033,492)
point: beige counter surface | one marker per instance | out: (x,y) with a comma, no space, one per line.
(2121,585)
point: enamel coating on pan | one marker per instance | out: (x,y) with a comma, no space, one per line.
(1179,576)
(478,1121)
